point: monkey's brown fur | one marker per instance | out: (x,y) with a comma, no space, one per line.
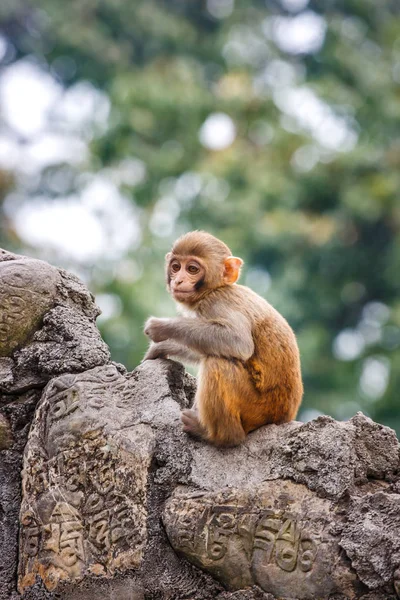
(249,360)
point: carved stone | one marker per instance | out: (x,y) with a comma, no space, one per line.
(47,327)
(103,451)
(84,481)
(27,291)
(283,537)
(277,536)
(104,443)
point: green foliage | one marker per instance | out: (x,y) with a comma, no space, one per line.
(306,193)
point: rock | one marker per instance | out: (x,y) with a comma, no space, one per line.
(47,324)
(47,327)
(117,502)
(5,433)
(329,457)
(239,515)
(277,536)
(104,451)
(84,481)
(17,413)
(27,291)
(376,554)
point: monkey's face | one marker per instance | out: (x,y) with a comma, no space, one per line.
(186,277)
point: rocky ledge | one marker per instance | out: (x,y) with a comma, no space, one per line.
(102,495)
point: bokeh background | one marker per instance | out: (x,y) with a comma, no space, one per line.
(272,124)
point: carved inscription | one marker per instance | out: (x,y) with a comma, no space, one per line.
(280,540)
(84,506)
(12,308)
(63,538)
(268,539)
(221,526)
(27,290)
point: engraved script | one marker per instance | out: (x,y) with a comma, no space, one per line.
(276,538)
(25,296)
(84,505)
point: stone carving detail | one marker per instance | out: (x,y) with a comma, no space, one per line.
(27,291)
(277,537)
(83,509)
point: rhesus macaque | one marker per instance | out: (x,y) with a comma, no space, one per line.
(249,361)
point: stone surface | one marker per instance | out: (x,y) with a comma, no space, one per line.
(277,536)
(5,433)
(376,554)
(104,451)
(47,324)
(17,412)
(27,291)
(118,503)
(106,454)
(329,457)
(47,327)
(84,481)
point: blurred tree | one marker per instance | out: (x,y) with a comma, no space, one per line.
(274,125)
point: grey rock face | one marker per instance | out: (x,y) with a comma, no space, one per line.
(47,327)
(240,515)
(16,413)
(329,457)
(86,511)
(27,291)
(288,538)
(277,536)
(104,451)
(118,503)
(376,554)
(47,324)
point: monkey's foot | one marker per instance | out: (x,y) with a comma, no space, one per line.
(191,423)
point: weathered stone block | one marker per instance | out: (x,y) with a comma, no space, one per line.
(277,536)
(47,327)
(84,481)
(106,457)
(27,291)
(47,324)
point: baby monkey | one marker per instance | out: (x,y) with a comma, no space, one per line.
(249,364)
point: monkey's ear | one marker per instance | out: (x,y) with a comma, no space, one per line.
(168,256)
(232,266)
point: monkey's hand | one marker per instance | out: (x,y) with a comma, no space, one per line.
(170,349)
(155,351)
(156,329)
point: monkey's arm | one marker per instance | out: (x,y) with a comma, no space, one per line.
(169,348)
(218,337)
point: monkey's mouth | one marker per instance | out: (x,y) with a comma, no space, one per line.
(183,292)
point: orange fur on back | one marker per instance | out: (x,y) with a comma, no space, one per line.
(267,388)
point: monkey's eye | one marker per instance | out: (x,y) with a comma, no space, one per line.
(175,267)
(193,269)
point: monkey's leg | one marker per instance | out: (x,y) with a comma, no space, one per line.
(191,423)
(221,385)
